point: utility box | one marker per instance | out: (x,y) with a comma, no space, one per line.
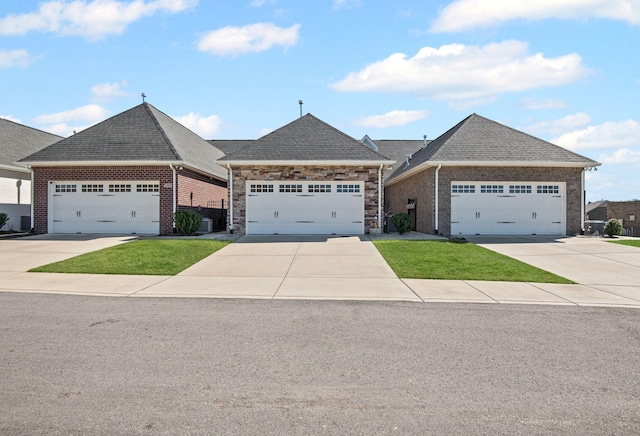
(206,226)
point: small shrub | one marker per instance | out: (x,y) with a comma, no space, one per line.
(402,221)
(3,219)
(612,228)
(187,221)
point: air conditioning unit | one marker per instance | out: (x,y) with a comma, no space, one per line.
(206,226)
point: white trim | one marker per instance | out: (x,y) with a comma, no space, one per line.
(33,193)
(102,163)
(230,184)
(529,164)
(173,196)
(437,200)
(15,168)
(350,163)
(379,223)
(582,198)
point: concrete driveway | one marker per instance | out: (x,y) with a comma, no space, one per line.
(592,262)
(306,267)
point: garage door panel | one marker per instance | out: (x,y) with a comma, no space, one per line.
(305,208)
(126,210)
(508,208)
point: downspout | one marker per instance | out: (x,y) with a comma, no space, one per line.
(33,191)
(230,198)
(437,199)
(173,223)
(582,200)
(380,196)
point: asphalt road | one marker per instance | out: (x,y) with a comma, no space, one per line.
(93,365)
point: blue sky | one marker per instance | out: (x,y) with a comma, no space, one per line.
(566,71)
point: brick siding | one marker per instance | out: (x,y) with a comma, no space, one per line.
(368,175)
(625,210)
(203,188)
(44,175)
(421,187)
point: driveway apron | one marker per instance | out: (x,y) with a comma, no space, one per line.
(292,267)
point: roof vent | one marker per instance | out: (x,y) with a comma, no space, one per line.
(424,143)
(409,157)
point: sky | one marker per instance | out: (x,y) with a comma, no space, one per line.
(566,71)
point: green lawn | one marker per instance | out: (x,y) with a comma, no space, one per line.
(143,257)
(630,242)
(453,261)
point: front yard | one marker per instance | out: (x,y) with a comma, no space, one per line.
(143,257)
(630,242)
(453,261)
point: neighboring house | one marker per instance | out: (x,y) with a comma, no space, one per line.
(481,177)
(628,212)
(306,178)
(16,142)
(127,174)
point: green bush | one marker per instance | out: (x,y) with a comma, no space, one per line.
(612,228)
(187,221)
(402,221)
(3,219)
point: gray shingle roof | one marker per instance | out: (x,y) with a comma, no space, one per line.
(18,141)
(396,149)
(306,139)
(478,140)
(230,146)
(142,133)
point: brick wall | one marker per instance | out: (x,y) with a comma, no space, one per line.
(421,187)
(43,175)
(368,175)
(203,188)
(625,210)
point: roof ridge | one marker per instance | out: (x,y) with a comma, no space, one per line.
(161,129)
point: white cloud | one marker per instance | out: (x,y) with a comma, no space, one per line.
(90,113)
(390,119)
(252,38)
(621,156)
(260,3)
(206,127)
(104,92)
(64,129)
(14,58)
(561,125)
(11,118)
(612,134)
(93,20)
(465,72)
(345,4)
(468,14)
(543,104)
(264,132)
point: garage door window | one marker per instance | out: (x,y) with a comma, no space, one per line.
(548,189)
(65,188)
(147,188)
(463,189)
(290,188)
(491,189)
(92,188)
(261,188)
(520,189)
(119,188)
(348,188)
(319,188)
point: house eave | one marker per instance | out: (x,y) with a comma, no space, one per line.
(15,168)
(529,164)
(351,163)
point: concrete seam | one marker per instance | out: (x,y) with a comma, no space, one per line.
(287,272)
(133,294)
(549,292)
(483,293)
(411,289)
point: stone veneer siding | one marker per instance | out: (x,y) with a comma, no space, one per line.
(421,187)
(44,175)
(368,175)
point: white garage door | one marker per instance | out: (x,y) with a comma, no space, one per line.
(303,208)
(104,207)
(513,208)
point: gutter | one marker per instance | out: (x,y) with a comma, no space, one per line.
(437,198)
(582,199)
(230,198)
(33,192)
(380,196)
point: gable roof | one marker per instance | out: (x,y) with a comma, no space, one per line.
(18,141)
(230,146)
(306,140)
(141,134)
(594,205)
(479,141)
(396,149)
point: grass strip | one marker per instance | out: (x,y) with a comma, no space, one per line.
(629,242)
(141,257)
(453,261)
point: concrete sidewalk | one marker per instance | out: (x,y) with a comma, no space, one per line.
(310,267)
